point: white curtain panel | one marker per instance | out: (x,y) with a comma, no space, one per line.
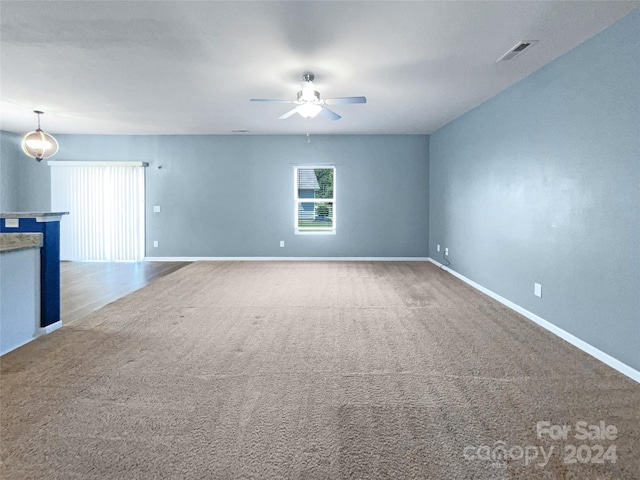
(106,212)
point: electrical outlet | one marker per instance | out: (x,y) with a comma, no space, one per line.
(155,244)
(438,247)
(446,251)
(281,243)
(537,290)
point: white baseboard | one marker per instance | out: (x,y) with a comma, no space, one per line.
(572,339)
(49,328)
(13,347)
(286,259)
(39,332)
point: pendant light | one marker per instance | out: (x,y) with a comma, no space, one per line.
(39,144)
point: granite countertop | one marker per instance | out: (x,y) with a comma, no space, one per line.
(31,214)
(17,241)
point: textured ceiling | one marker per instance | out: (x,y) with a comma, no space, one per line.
(162,67)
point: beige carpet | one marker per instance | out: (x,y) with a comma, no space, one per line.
(310,370)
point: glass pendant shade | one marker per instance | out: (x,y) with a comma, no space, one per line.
(39,144)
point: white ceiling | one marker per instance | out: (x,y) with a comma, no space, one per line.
(164,67)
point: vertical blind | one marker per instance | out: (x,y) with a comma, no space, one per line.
(106,212)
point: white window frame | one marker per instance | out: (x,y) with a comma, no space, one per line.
(297,201)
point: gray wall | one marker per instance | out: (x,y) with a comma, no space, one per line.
(542,184)
(234,195)
(9,172)
(25,184)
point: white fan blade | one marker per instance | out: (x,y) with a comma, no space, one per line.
(288,114)
(328,113)
(343,100)
(270,100)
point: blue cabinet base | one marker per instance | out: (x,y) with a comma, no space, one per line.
(49,264)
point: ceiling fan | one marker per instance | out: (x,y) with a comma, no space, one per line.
(309,103)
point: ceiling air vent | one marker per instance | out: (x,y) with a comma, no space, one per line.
(517,50)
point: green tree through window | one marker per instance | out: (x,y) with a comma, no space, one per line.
(325,182)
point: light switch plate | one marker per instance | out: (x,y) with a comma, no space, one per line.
(155,244)
(156,208)
(282,243)
(537,290)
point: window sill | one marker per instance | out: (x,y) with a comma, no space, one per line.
(314,232)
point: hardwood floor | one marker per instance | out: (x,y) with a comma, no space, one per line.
(87,286)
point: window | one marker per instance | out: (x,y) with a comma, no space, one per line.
(315,199)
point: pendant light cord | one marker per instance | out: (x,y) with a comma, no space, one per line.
(38,112)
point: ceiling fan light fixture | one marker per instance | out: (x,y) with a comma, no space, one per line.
(309,110)
(309,104)
(39,144)
(308,92)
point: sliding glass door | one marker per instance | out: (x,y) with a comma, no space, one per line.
(106,210)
